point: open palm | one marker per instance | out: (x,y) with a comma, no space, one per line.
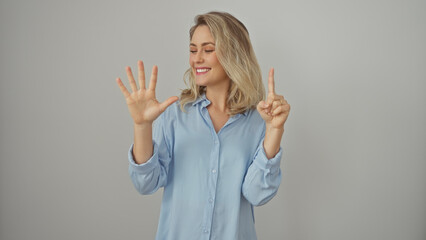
(142,103)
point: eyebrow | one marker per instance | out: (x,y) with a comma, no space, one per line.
(203,44)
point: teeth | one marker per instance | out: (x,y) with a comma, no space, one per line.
(202,70)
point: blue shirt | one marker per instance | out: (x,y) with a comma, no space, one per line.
(211,180)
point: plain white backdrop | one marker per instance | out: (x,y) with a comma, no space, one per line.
(354,72)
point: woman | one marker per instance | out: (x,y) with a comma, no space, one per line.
(214,153)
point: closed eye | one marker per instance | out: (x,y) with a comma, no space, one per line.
(195,51)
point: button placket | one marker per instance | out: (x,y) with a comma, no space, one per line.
(214,170)
(214,160)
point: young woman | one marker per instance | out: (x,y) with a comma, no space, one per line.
(216,149)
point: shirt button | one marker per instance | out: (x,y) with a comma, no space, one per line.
(214,171)
(206,231)
(210,200)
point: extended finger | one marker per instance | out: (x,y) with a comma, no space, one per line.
(122,88)
(131,79)
(270,99)
(154,75)
(168,102)
(141,74)
(271,82)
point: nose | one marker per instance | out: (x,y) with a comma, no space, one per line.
(199,58)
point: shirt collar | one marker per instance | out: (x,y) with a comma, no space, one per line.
(201,98)
(205,102)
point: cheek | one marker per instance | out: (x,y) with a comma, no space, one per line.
(216,62)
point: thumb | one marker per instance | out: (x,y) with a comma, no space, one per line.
(261,109)
(168,102)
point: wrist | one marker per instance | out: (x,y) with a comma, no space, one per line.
(142,126)
(270,128)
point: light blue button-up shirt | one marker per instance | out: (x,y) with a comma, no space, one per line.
(211,180)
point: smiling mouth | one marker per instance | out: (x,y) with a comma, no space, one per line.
(202,70)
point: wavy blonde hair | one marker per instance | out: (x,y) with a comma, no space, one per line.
(236,55)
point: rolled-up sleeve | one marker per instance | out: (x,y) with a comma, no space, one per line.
(148,177)
(263,177)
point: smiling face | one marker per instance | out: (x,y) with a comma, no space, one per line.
(203,60)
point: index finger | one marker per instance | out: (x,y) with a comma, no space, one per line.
(271,82)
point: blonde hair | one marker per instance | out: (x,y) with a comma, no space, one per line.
(236,55)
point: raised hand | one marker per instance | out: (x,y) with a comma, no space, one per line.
(276,109)
(143,105)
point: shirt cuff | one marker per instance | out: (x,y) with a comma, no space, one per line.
(269,165)
(146,167)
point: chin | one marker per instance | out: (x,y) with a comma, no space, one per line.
(200,84)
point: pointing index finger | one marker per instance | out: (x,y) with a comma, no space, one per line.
(271,83)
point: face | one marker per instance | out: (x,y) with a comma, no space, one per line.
(203,60)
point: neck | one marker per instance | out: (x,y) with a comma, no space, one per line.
(218,96)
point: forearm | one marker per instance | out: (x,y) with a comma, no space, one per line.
(272,141)
(263,176)
(143,146)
